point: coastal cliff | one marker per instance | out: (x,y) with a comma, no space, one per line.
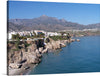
(24,59)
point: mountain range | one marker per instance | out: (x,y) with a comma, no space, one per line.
(46,23)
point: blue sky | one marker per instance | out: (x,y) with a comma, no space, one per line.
(74,12)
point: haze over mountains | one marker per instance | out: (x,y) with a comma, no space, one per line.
(46,23)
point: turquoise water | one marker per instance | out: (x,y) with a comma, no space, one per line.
(76,57)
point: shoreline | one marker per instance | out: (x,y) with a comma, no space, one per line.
(28,66)
(85,36)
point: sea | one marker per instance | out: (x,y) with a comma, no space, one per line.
(76,57)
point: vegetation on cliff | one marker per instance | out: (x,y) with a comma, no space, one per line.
(62,37)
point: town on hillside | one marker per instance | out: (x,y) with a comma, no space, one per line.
(35,34)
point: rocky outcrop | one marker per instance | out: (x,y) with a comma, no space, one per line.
(33,53)
(56,44)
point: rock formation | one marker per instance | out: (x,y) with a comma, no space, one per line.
(33,53)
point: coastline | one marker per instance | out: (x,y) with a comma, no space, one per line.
(32,50)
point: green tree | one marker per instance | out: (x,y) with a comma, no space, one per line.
(41,35)
(15,36)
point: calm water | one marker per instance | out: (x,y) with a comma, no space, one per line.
(76,57)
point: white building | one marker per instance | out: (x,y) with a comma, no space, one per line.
(24,33)
(53,34)
(93,30)
(39,31)
(11,33)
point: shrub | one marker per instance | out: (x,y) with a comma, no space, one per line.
(58,38)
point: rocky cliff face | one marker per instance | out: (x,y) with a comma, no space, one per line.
(53,45)
(28,55)
(32,54)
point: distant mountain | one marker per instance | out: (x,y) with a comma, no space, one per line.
(46,23)
(91,26)
(12,26)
